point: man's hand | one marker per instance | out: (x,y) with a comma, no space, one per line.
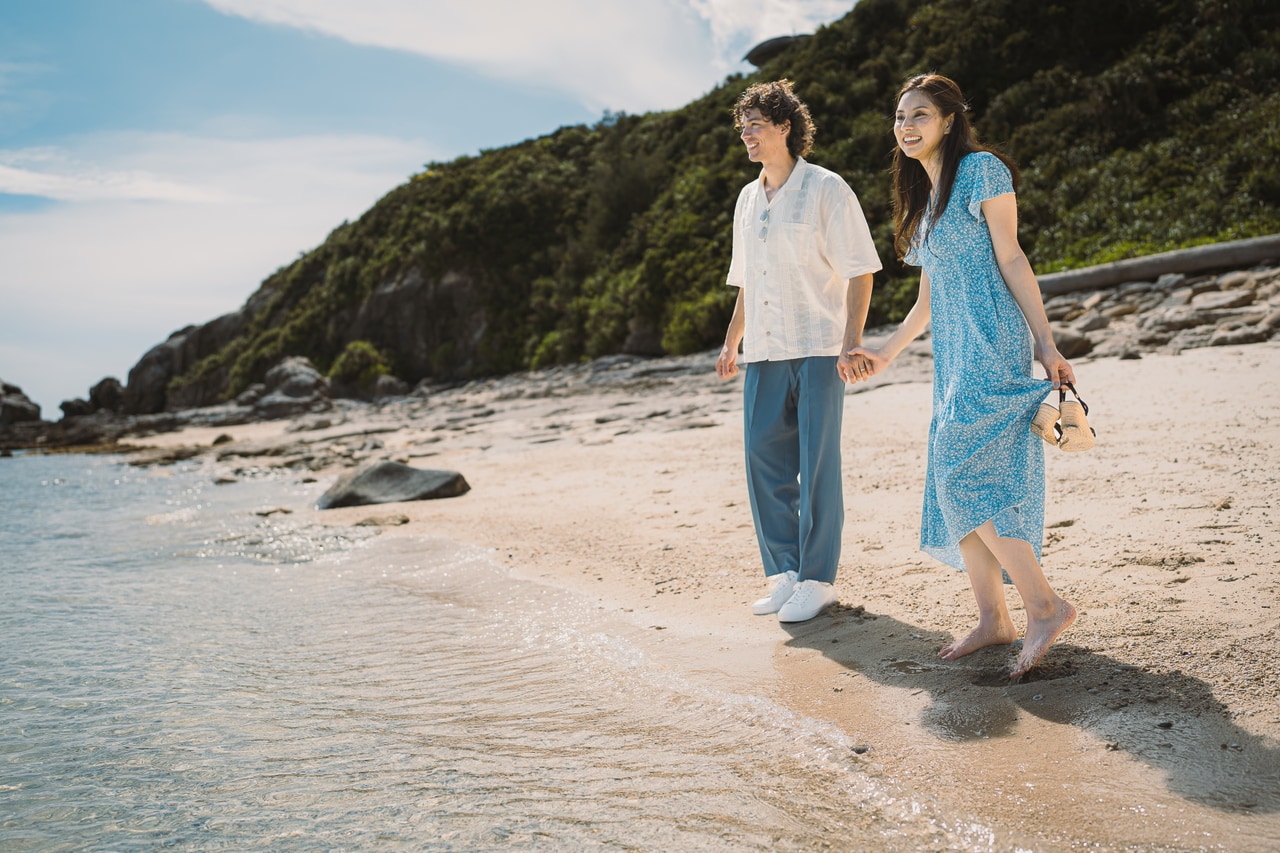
(727,363)
(860,364)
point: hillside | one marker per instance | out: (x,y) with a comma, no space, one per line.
(1139,126)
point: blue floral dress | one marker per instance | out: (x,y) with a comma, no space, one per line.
(984,463)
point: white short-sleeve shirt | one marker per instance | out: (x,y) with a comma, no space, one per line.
(793,258)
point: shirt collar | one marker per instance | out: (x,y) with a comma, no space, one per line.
(792,179)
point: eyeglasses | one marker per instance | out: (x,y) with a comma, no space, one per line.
(764,229)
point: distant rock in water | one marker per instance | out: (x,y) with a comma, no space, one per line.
(388,482)
(15,408)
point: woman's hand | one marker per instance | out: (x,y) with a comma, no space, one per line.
(1056,368)
(860,364)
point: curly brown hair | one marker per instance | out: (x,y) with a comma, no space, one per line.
(778,103)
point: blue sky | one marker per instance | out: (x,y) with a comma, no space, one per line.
(159,158)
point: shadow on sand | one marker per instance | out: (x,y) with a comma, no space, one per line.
(1171,721)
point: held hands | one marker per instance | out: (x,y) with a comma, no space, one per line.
(860,364)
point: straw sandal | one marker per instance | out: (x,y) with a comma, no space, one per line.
(1077,435)
(1067,426)
(1045,424)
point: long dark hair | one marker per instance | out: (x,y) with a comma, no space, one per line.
(911,185)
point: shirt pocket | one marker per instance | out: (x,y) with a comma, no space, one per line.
(794,244)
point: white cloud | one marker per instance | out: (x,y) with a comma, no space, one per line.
(631,56)
(86,288)
(738,25)
(48,174)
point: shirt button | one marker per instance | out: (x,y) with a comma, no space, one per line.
(766,302)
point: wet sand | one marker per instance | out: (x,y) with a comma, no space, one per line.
(1154,722)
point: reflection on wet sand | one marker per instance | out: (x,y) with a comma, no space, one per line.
(1166,721)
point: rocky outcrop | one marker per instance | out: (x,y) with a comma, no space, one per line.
(293,386)
(107,394)
(75,408)
(390,482)
(149,387)
(15,408)
(1170,314)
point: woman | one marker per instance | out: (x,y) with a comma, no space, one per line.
(956,217)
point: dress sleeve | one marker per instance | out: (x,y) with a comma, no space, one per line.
(912,257)
(990,178)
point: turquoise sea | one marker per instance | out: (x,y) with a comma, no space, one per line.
(185,666)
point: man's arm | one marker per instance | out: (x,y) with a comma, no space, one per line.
(727,363)
(857,303)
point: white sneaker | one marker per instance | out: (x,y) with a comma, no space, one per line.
(809,599)
(782,589)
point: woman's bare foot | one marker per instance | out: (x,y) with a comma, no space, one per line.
(1040,636)
(999,633)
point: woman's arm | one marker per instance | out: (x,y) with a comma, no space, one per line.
(908,330)
(1001,214)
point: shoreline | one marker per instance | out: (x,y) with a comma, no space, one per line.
(1153,723)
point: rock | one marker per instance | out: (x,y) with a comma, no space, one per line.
(251,395)
(1071,343)
(1236,332)
(389,386)
(1124,309)
(293,386)
(383,521)
(1172,319)
(15,408)
(295,377)
(150,387)
(76,408)
(1058,307)
(384,481)
(107,394)
(1235,280)
(1221,299)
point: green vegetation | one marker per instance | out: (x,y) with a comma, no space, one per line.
(360,365)
(1140,126)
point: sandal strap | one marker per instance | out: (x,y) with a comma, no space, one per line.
(1062,396)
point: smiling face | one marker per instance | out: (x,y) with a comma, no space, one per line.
(919,126)
(766,142)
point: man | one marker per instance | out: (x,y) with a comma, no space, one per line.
(803,261)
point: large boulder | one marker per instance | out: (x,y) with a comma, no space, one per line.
(107,394)
(148,388)
(15,408)
(384,481)
(76,408)
(293,386)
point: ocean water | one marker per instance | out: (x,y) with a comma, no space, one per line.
(183,667)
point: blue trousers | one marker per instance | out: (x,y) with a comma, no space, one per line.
(792,413)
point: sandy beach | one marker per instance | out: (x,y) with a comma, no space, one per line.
(1154,723)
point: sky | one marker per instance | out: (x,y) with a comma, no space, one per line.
(160,158)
